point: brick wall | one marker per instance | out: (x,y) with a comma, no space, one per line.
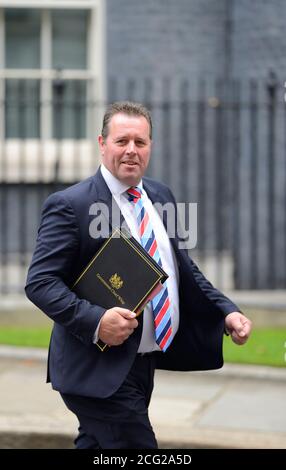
(259,39)
(165,37)
(190,37)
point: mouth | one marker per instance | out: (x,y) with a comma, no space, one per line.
(130,163)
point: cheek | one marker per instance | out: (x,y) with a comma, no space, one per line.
(113,157)
(146,159)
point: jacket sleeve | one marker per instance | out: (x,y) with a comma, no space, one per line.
(55,255)
(223,303)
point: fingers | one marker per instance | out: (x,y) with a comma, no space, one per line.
(124,335)
(237,339)
(239,327)
(241,331)
(243,328)
(128,315)
(246,327)
(116,325)
(125,313)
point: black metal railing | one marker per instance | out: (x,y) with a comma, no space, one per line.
(219,144)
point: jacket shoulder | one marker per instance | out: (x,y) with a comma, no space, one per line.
(73,193)
(157,186)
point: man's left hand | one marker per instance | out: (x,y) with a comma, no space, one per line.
(238,326)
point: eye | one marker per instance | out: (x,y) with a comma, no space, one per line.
(140,143)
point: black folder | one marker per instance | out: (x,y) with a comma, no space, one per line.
(120,274)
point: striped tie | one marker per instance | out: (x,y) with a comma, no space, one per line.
(160,303)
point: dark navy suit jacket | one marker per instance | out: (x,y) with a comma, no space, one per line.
(64,247)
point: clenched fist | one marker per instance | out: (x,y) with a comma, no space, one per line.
(116,325)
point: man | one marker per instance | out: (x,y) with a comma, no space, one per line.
(110,391)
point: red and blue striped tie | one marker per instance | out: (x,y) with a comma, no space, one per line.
(161,302)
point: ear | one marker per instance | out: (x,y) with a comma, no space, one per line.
(101,144)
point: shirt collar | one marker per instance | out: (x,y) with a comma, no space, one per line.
(115,186)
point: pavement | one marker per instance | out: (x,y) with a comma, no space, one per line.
(237,407)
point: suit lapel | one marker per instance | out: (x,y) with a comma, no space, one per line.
(112,213)
(109,209)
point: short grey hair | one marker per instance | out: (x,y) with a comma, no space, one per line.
(125,107)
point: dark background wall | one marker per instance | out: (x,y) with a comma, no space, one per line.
(202,67)
(258,38)
(165,37)
(221,139)
(242,38)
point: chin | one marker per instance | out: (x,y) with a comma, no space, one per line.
(131,180)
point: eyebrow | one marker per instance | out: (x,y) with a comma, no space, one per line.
(124,136)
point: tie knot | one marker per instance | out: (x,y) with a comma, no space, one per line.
(134,194)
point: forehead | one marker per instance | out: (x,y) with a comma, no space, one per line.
(123,123)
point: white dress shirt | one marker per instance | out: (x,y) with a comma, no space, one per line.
(169,264)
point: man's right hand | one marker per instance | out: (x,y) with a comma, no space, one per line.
(116,325)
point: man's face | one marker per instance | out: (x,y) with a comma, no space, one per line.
(126,150)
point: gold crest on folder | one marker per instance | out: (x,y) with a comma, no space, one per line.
(116,281)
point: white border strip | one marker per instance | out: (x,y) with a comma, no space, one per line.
(62,4)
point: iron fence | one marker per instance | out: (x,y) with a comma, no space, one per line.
(219,144)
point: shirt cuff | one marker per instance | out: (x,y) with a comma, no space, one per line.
(96,334)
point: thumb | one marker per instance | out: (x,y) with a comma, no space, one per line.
(238,327)
(125,313)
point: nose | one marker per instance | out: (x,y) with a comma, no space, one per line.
(131,147)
